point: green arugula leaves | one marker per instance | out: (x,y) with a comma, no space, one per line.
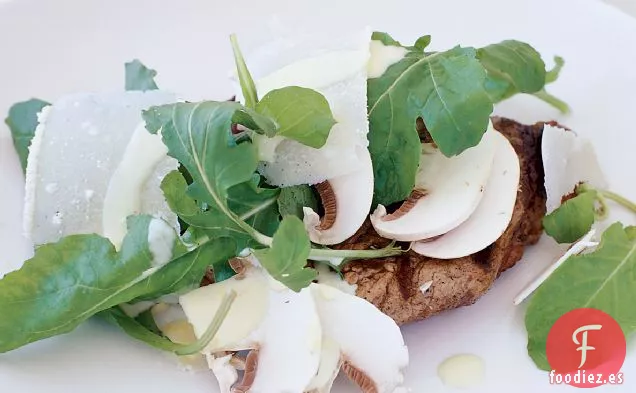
(292,200)
(301,114)
(287,257)
(67,282)
(446,90)
(292,112)
(602,279)
(512,67)
(22,122)
(453,92)
(139,77)
(573,219)
(576,215)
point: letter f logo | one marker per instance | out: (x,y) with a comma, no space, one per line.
(583,344)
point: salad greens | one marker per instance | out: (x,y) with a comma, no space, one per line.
(292,200)
(67,282)
(602,279)
(576,215)
(572,219)
(294,112)
(22,121)
(139,77)
(287,257)
(452,91)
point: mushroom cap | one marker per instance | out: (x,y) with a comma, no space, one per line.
(370,342)
(492,216)
(77,149)
(449,188)
(350,198)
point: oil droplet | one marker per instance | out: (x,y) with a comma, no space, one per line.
(462,371)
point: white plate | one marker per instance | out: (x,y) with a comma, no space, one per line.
(50,48)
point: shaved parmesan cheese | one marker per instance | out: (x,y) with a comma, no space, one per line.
(337,68)
(567,160)
(383,57)
(123,196)
(77,150)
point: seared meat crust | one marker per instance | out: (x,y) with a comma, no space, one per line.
(393,284)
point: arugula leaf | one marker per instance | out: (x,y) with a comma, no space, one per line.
(199,136)
(423,42)
(22,121)
(223,271)
(292,200)
(301,114)
(185,272)
(255,206)
(285,260)
(512,67)
(553,74)
(254,121)
(245,78)
(573,219)
(213,222)
(602,279)
(147,320)
(138,331)
(384,38)
(139,77)
(446,89)
(67,282)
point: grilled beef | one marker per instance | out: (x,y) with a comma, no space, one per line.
(393,284)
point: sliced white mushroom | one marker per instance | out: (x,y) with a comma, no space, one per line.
(567,161)
(346,200)
(370,344)
(492,216)
(334,64)
(447,192)
(79,150)
(280,326)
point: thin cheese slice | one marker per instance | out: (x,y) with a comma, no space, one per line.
(77,149)
(335,66)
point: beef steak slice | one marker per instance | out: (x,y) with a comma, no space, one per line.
(393,284)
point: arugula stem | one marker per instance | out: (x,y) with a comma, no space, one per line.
(214,327)
(603,210)
(552,100)
(621,200)
(247,83)
(322,253)
(258,208)
(602,194)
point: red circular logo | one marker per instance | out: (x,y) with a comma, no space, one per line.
(586,348)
